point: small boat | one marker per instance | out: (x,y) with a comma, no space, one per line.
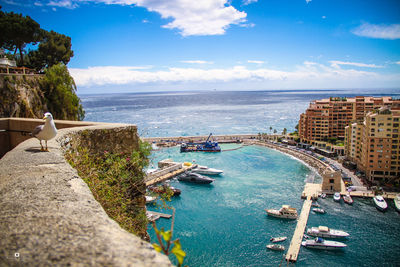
(323,195)
(152,217)
(315,204)
(162,189)
(195,178)
(320,243)
(397,202)
(206,170)
(285,212)
(306,236)
(278,239)
(323,231)
(275,247)
(347,199)
(380,203)
(319,210)
(150,199)
(336,197)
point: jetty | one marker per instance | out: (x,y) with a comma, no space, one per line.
(310,192)
(168,169)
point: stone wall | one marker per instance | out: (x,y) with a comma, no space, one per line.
(49,216)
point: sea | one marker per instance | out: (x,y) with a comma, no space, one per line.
(225,223)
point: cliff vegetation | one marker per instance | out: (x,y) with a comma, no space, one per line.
(31,96)
(117,183)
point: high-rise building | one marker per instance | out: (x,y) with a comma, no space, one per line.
(374,145)
(327,118)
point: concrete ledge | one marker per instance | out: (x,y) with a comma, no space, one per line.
(49,216)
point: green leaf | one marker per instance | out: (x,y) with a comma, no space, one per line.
(166,235)
(178,252)
(157,247)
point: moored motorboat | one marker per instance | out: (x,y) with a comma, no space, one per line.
(150,199)
(336,197)
(397,202)
(347,199)
(278,239)
(206,170)
(323,195)
(318,210)
(276,247)
(285,212)
(380,203)
(320,243)
(326,232)
(315,204)
(195,178)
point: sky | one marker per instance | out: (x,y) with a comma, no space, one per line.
(174,45)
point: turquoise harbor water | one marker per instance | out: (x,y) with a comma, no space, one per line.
(224,224)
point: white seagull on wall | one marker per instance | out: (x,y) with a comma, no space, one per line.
(45,132)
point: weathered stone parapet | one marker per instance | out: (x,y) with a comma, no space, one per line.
(118,139)
(49,216)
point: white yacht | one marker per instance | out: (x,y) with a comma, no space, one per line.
(323,231)
(320,243)
(347,199)
(205,170)
(278,239)
(276,247)
(380,203)
(397,202)
(285,212)
(336,197)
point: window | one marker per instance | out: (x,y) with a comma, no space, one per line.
(331,181)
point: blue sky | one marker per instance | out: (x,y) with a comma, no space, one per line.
(156,45)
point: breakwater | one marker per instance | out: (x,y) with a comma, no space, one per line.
(313,162)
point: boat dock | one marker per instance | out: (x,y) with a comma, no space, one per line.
(168,170)
(310,192)
(162,215)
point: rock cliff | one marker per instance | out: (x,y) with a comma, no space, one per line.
(21,96)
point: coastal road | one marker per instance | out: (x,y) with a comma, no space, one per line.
(357,183)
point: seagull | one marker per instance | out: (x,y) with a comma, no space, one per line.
(45,132)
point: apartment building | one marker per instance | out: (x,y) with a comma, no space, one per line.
(374,145)
(327,118)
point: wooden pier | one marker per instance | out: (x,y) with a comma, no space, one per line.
(310,192)
(167,173)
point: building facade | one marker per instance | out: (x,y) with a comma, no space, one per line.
(374,145)
(327,118)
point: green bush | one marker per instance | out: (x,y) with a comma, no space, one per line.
(59,90)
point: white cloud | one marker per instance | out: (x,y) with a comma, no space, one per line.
(255,61)
(63,3)
(389,32)
(398,62)
(335,64)
(248,2)
(323,17)
(197,62)
(308,1)
(200,17)
(309,73)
